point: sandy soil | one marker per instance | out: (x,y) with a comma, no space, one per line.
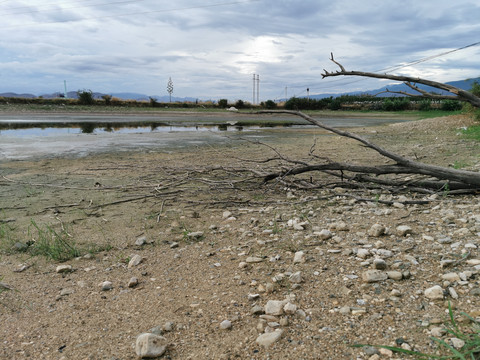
(188,285)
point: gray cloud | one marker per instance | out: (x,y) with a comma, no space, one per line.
(211,50)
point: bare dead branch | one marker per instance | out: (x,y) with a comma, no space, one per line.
(459,94)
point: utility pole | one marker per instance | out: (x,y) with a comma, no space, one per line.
(253,101)
(258,89)
(65,88)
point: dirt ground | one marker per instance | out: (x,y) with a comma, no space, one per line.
(219,244)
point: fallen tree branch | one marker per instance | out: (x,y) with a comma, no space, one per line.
(455,179)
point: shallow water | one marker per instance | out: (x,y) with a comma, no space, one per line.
(77,135)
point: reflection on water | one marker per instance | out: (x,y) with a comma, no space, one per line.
(91,128)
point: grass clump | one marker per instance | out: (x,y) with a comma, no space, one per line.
(53,244)
(46,240)
(472,132)
(469,351)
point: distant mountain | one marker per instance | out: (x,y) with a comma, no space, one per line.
(462,84)
(15,95)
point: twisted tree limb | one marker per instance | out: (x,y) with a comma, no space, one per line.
(458,94)
(446,177)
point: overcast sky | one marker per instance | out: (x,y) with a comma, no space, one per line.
(211,48)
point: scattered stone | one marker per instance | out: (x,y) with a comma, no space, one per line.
(437,332)
(345,310)
(174,245)
(324,234)
(290,308)
(434,293)
(253,297)
(142,240)
(106,285)
(395,275)
(274,307)
(226,214)
(379,264)
(169,326)
(195,235)
(150,345)
(299,257)
(257,310)
(270,338)
(132,282)
(376,230)
(21,268)
(66,291)
(135,261)
(452,277)
(363,253)
(226,325)
(370,276)
(296,278)
(404,230)
(457,343)
(253,259)
(63,269)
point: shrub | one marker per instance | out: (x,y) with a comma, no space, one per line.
(451,105)
(107,99)
(240,104)
(270,104)
(85,97)
(425,105)
(222,103)
(153,102)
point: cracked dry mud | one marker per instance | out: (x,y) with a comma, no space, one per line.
(207,292)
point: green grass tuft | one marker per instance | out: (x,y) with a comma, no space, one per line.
(472,132)
(470,351)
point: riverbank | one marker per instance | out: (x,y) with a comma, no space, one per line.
(217,248)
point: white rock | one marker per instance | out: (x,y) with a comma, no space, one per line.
(296,278)
(132,282)
(270,338)
(374,276)
(403,230)
(150,345)
(324,234)
(142,240)
(395,275)
(274,307)
(106,285)
(63,268)
(135,261)
(253,259)
(299,257)
(452,293)
(226,324)
(437,332)
(457,343)
(363,253)
(290,308)
(376,230)
(379,264)
(452,277)
(434,293)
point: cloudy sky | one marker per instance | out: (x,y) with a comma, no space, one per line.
(211,48)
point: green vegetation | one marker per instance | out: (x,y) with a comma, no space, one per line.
(46,241)
(473,132)
(471,338)
(85,97)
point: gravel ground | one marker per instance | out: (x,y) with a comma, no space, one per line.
(221,268)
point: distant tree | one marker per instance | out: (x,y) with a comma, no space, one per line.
(222,103)
(170,88)
(240,104)
(153,102)
(85,97)
(270,104)
(107,99)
